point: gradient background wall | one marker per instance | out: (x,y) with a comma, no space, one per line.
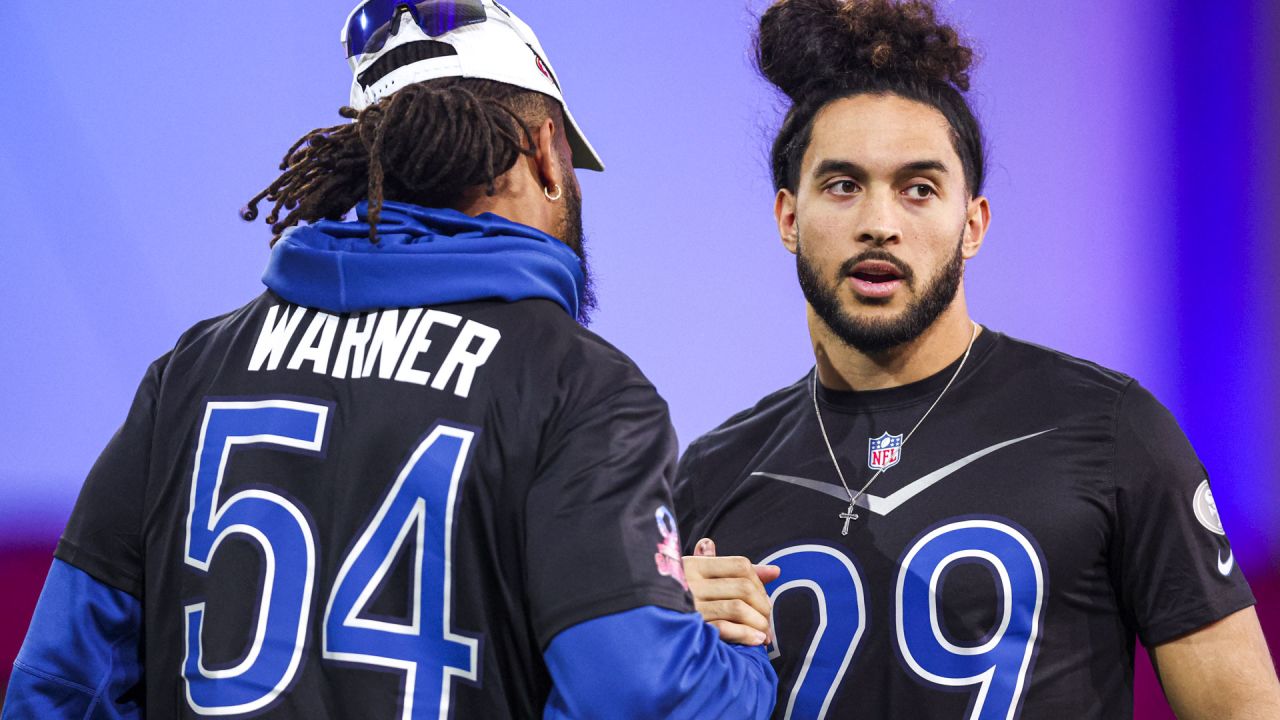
(1134,150)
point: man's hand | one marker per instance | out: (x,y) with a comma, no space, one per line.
(729,592)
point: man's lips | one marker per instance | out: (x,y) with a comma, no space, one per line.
(867,288)
(875,278)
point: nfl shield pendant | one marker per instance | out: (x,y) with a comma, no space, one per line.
(884,452)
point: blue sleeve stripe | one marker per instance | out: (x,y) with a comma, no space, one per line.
(82,653)
(652,662)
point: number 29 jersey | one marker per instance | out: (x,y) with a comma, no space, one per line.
(1046,512)
(385,514)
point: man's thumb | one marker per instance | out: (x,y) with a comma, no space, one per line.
(767,573)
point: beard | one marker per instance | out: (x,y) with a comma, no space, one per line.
(572,234)
(876,336)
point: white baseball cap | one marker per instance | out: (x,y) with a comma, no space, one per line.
(493,44)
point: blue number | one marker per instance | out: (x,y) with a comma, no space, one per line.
(419,510)
(837,588)
(999,665)
(281,532)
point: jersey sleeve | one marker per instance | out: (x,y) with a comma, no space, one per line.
(601,534)
(1172,564)
(103,538)
(652,663)
(82,657)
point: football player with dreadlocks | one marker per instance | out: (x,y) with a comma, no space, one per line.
(403,482)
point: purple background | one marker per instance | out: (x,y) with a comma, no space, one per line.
(1134,150)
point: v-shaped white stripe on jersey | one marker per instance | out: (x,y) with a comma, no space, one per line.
(886,505)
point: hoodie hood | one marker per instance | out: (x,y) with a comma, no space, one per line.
(424,256)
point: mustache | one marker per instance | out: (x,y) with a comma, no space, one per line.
(878,255)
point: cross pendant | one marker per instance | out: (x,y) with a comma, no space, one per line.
(848,516)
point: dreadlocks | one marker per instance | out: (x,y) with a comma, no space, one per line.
(426,144)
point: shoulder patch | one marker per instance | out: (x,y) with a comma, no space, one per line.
(1207,510)
(668,559)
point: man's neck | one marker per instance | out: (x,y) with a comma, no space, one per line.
(841,367)
(518,199)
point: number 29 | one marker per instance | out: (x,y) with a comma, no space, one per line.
(996,668)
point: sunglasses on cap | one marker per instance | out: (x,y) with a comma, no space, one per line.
(373,21)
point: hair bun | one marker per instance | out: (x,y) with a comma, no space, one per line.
(805,44)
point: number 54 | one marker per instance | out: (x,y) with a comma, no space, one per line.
(418,509)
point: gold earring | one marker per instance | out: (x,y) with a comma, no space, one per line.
(557,196)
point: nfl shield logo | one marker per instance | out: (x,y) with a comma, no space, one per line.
(884,452)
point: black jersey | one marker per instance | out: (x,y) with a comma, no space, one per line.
(377,514)
(1046,512)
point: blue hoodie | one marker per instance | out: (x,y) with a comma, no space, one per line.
(82,653)
(424,256)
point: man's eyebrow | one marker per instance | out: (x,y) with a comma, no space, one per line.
(838,167)
(845,167)
(920,166)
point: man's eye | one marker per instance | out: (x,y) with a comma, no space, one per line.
(843,187)
(921,191)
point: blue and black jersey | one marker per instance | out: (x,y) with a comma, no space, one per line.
(1044,514)
(454,505)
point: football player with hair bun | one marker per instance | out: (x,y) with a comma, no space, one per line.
(961,524)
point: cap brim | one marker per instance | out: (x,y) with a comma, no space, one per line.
(584,156)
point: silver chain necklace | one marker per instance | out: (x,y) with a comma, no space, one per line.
(849,515)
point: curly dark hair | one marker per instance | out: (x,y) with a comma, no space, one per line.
(818,51)
(427,144)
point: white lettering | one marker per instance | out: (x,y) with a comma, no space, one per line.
(420,344)
(309,350)
(380,342)
(465,362)
(389,340)
(275,337)
(355,338)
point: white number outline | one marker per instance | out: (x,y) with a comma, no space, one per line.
(821,598)
(417,515)
(315,444)
(1006,589)
(985,677)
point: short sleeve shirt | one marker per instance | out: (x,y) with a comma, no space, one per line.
(1045,513)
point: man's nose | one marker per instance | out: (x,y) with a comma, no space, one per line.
(879,224)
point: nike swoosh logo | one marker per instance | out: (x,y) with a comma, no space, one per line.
(1226,566)
(886,505)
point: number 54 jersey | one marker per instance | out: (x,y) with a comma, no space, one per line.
(384,514)
(1001,564)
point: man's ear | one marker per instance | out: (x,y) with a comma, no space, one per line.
(545,159)
(784,211)
(976,224)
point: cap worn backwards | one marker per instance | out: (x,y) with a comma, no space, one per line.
(498,47)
